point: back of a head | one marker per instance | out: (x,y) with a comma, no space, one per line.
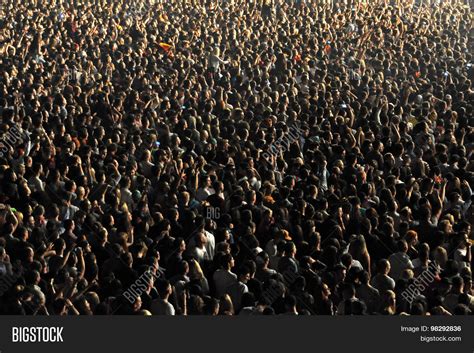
(281,246)
(248,300)
(364,277)
(290,302)
(243,271)
(382,266)
(358,308)
(346,259)
(402,246)
(457,282)
(289,248)
(162,286)
(348,290)
(262,259)
(226,260)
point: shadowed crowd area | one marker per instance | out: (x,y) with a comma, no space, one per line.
(236,157)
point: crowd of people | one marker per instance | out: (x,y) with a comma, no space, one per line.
(299,157)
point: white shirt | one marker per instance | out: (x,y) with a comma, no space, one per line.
(399,262)
(200,254)
(162,307)
(203,193)
(210,244)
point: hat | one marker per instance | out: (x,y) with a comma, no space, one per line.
(285,234)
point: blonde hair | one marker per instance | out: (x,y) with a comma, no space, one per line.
(389,301)
(195,270)
(226,306)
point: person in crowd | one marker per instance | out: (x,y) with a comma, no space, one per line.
(254,158)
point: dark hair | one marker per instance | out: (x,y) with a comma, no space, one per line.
(162,286)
